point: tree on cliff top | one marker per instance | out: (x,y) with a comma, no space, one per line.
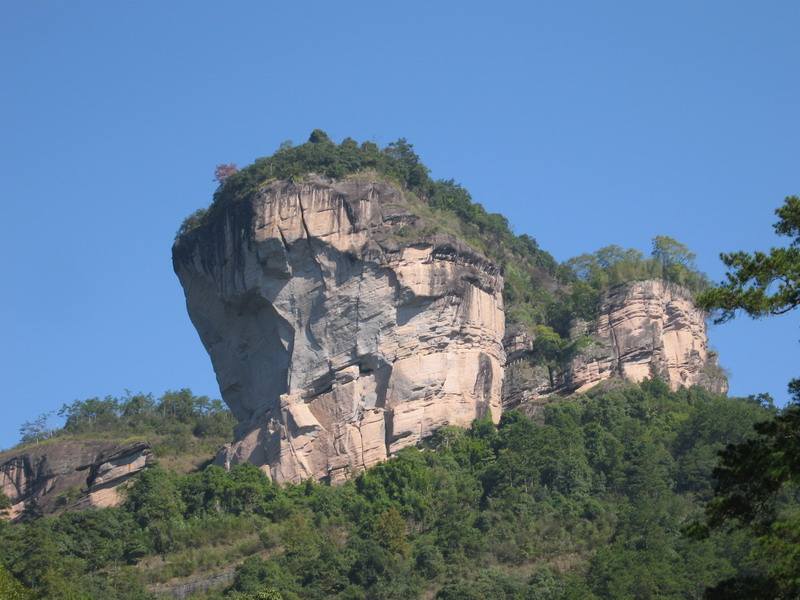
(669,260)
(35,431)
(223,171)
(670,252)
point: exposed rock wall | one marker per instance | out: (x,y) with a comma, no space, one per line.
(69,473)
(339,332)
(644,329)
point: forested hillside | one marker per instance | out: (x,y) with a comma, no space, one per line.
(595,501)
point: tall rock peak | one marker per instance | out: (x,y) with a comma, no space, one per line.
(339,328)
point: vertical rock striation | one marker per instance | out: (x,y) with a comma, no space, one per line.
(339,330)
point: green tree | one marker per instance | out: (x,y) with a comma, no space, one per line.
(182,405)
(761,283)
(154,497)
(268,593)
(318,137)
(136,405)
(35,431)
(758,488)
(156,505)
(752,474)
(90,414)
(11,589)
(390,531)
(669,252)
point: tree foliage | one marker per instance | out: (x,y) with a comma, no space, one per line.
(223,171)
(761,283)
(11,589)
(757,489)
(36,431)
(669,260)
(176,411)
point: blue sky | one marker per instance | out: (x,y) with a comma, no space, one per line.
(585,123)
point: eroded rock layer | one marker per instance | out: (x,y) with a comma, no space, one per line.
(69,474)
(338,330)
(644,329)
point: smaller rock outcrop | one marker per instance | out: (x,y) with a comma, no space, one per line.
(643,329)
(70,473)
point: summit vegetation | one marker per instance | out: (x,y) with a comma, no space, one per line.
(184,429)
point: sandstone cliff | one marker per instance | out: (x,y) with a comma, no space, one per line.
(339,330)
(71,473)
(644,329)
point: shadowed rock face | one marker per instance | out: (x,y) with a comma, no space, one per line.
(338,331)
(644,329)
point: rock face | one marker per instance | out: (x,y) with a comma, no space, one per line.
(70,473)
(644,329)
(338,330)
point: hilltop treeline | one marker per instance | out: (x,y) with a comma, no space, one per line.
(177,422)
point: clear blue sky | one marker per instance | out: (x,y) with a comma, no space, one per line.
(586,123)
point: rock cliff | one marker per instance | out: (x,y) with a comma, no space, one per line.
(76,474)
(644,329)
(339,327)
